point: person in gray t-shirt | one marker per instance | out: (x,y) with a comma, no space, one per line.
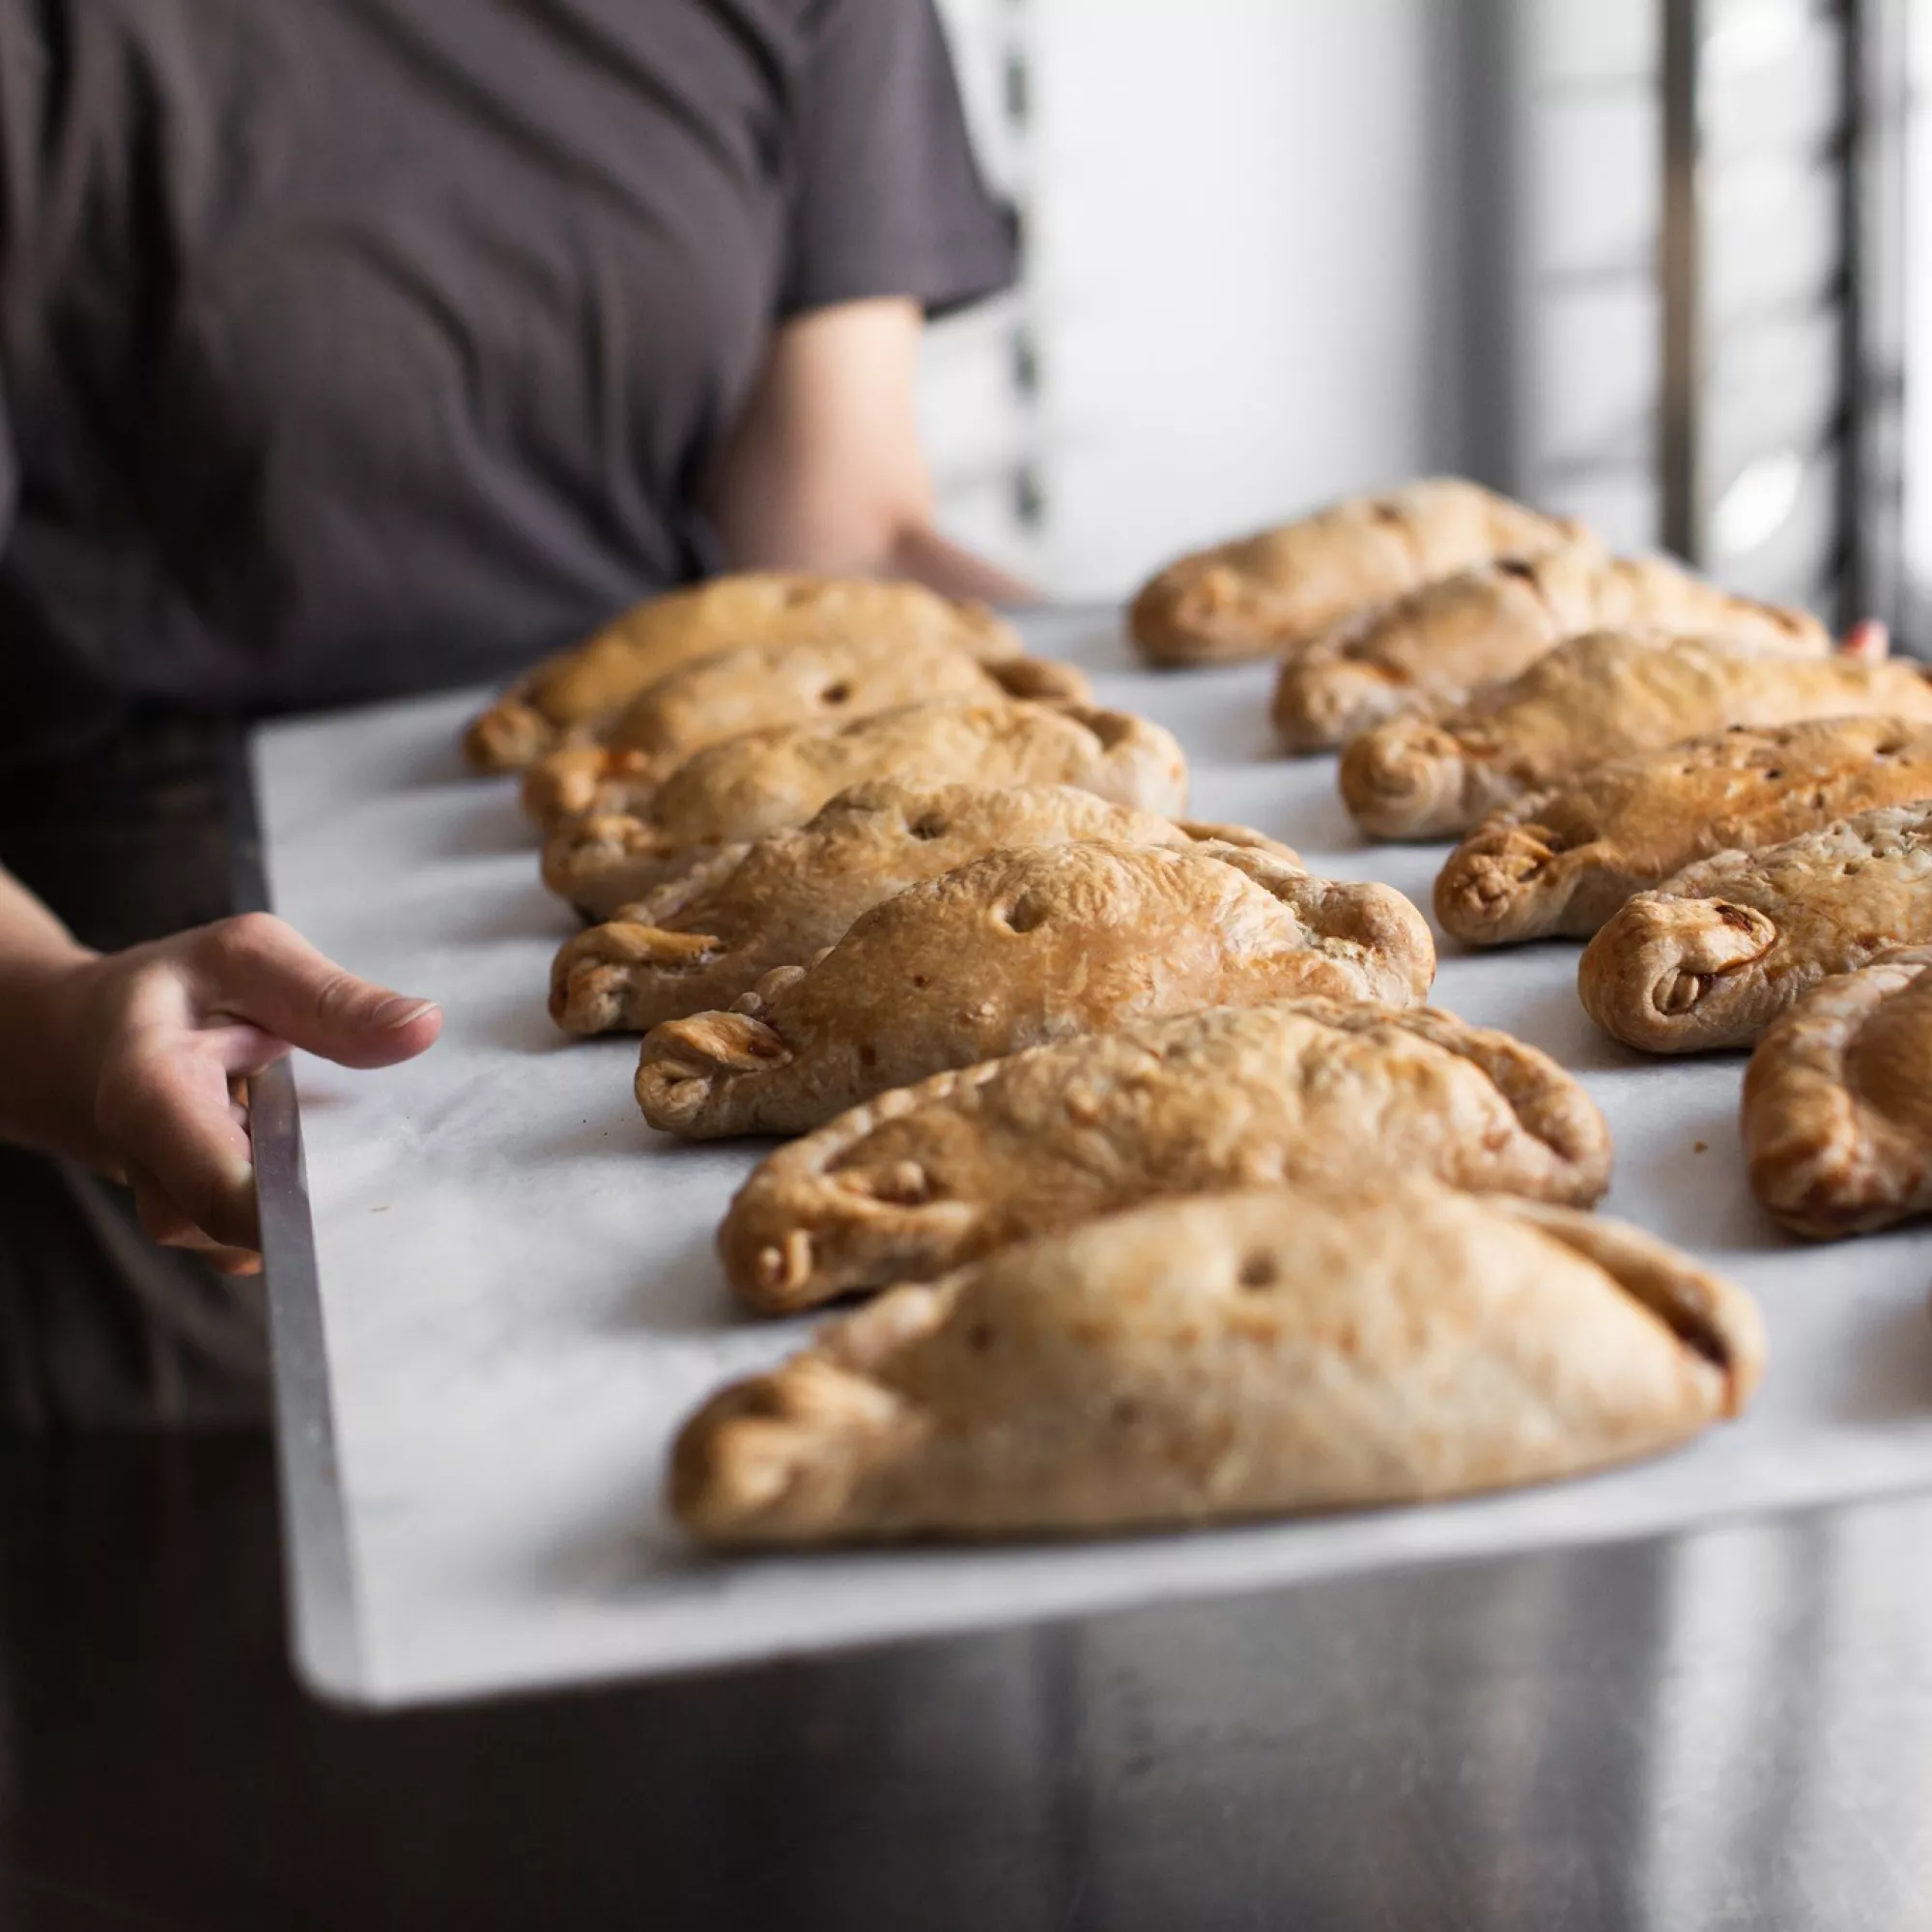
(362,347)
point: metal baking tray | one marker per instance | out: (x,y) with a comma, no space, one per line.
(494,1297)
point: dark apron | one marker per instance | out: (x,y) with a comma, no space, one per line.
(99,1326)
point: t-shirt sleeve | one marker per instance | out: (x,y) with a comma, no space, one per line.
(890,200)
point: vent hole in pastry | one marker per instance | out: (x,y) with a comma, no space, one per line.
(1023,915)
(1776,773)
(1515,566)
(918,980)
(1259,1269)
(1817,800)
(836,694)
(930,826)
(1680,994)
(869,1056)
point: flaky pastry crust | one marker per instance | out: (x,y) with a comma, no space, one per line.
(1593,699)
(815,683)
(1448,641)
(761,781)
(1343,1347)
(924,1179)
(1562,860)
(1021,947)
(1723,947)
(1837,1102)
(706,939)
(567,696)
(1248,598)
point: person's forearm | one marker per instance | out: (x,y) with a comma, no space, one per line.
(921,554)
(824,469)
(911,548)
(42,968)
(771,523)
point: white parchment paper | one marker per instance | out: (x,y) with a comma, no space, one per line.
(520,1304)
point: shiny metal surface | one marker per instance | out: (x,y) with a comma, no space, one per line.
(1726,1730)
(321,1583)
(1680,454)
(325,1632)
(1732,1731)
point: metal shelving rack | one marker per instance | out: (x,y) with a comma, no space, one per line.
(1780,430)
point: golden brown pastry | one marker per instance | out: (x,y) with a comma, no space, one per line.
(1373,1342)
(1562,860)
(1442,643)
(761,781)
(761,685)
(1021,947)
(1593,699)
(1837,1105)
(924,1179)
(1723,947)
(1248,598)
(568,695)
(707,938)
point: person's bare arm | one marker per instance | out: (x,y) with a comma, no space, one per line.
(824,469)
(132,1060)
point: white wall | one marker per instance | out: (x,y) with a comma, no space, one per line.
(1284,250)
(1242,292)
(1918,431)
(1239,295)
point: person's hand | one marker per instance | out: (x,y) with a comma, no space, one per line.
(154,1045)
(1869,641)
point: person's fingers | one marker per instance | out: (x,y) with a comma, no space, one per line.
(160,1215)
(165,1222)
(166,1110)
(264,973)
(1870,640)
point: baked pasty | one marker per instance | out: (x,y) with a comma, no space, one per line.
(1724,946)
(1248,598)
(1595,698)
(1837,1107)
(1232,1355)
(924,1179)
(572,692)
(1562,860)
(1021,947)
(707,938)
(1441,643)
(760,781)
(760,685)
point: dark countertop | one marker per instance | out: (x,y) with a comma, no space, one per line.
(1732,1729)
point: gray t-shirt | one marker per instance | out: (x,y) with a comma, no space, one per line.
(351,347)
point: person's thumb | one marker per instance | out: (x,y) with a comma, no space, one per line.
(257,969)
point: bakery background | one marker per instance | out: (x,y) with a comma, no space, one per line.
(1649,264)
